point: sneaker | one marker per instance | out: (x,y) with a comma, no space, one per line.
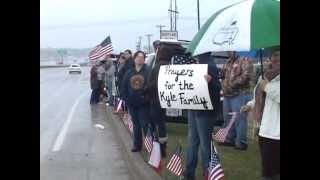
(134,149)
(226,144)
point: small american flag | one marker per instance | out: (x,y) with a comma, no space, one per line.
(119,107)
(175,163)
(215,169)
(182,59)
(222,133)
(130,125)
(148,141)
(103,49)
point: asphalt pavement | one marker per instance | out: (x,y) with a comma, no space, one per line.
(71,146)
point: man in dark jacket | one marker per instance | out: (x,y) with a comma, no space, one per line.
(201,122)
(129,63)
(157,114)
(94,84)
(132,91)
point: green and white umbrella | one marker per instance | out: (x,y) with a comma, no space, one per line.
(244,26)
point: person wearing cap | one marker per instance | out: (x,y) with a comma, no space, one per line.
(266,107)
(128,64)
(238,74)
(157,114)
(201,122)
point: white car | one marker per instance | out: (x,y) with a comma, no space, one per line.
(74,68)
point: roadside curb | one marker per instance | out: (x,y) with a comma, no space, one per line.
(138,168)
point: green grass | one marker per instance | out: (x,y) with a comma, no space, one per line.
(238,165)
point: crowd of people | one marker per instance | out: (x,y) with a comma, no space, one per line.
(135,82)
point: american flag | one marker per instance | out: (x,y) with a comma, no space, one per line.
(222,133)
(130,125)
(182,59)
(148,141)
(119,107)
(215,169)
(175,163)
(101,50)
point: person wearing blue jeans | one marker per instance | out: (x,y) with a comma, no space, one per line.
(237,73)
(200,127)
(132,92)
(201,122)
(238,131)
(140,118)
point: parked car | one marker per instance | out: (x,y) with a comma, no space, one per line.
(74,68)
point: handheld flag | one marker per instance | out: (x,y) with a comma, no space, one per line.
(101,50)
(222,133)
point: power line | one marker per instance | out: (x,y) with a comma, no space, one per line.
(160,27)
(149,47)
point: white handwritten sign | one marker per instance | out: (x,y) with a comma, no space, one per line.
(184,87)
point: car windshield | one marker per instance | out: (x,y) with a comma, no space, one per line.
(74,65)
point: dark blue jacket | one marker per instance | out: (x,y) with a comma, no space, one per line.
(134,96)
(214,86)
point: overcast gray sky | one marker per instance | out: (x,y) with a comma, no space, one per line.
(85,23)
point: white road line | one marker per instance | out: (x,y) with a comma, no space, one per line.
(59,141)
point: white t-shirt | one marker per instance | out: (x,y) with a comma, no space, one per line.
(270,123)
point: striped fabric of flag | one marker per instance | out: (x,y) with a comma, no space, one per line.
(101,50)
(175,163)
(222,133)
(148,141)
(215,169)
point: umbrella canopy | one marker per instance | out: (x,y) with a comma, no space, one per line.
(244,26)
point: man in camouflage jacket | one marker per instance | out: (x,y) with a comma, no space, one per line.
(237,74)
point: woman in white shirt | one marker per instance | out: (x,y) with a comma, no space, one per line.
(269,131)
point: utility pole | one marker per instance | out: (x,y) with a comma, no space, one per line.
(138,47)
(173,13)
(160,27)
(149,47)
(198,15)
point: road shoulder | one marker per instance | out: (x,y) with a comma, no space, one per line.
(138,168)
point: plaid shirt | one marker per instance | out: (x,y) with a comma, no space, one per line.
(237,77)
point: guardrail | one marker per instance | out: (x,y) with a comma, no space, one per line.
(53,66)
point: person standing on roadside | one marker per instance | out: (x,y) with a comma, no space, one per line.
(266,106)
(129,64)
(157,114)
(110,75)
(94,85)
(101,77)
(237,74)
(132,88)
(201,122)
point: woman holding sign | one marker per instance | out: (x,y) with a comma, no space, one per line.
(201,122)
(132,88)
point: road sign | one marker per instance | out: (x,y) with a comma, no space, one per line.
(170,35)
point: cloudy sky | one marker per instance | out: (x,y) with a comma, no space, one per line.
(85,23)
